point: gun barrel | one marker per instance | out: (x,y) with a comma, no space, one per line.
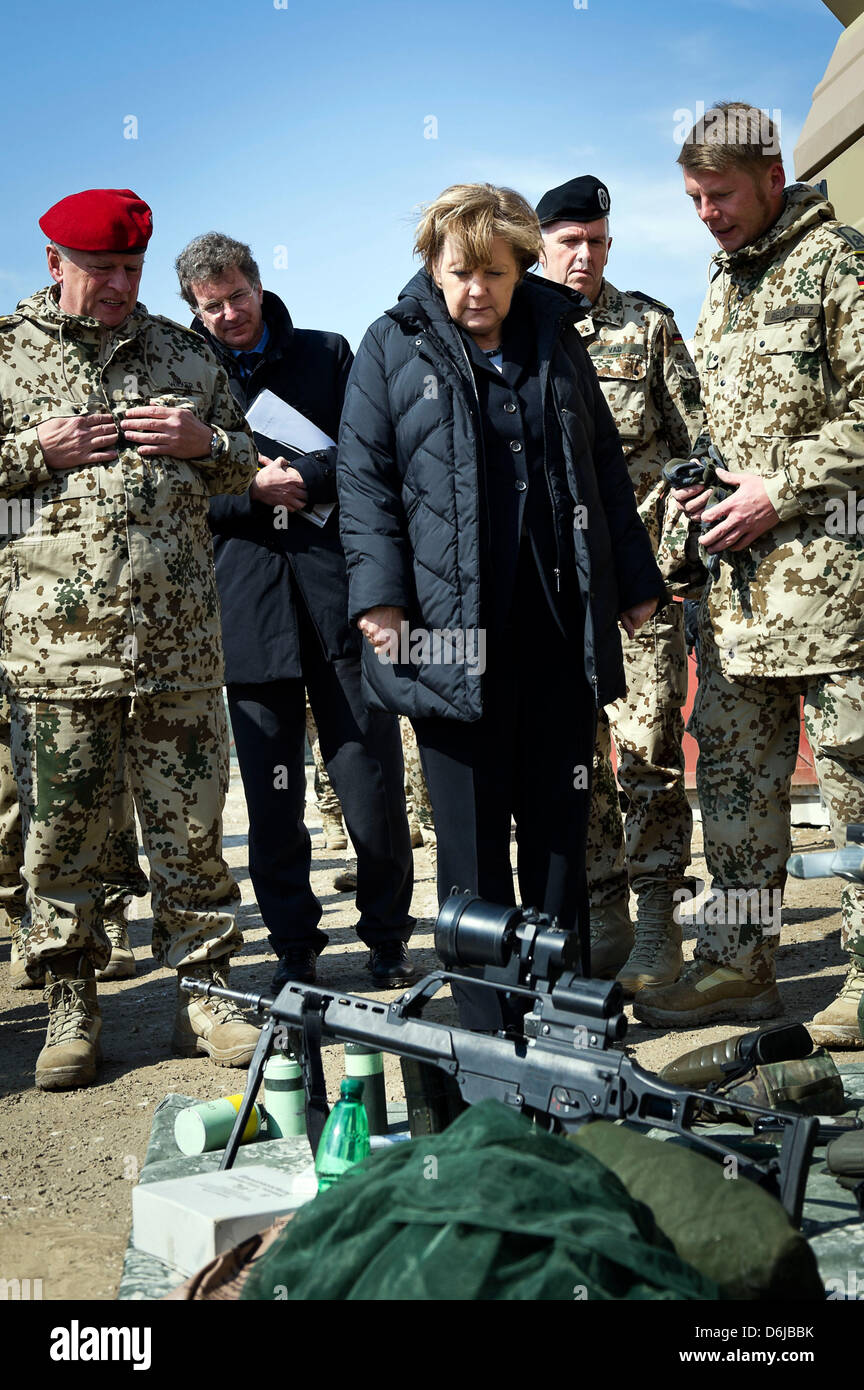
(846,863)
(259,1002)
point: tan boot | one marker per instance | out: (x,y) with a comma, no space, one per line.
(707,991)
(334,832)
(121,966)
(345,881)
(18,977)
(213,1026)
(72,1052)
(838,1025)
(656,957)
(415,830)
(611,938)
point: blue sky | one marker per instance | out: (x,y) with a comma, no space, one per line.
(303,129)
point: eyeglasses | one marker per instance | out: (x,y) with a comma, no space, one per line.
(216,307)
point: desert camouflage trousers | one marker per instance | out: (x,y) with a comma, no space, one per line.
(119,868)
(654,842)
(329,804)
(747,731)
(416,793)
(65,755)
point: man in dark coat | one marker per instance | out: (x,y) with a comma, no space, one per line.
(283,590)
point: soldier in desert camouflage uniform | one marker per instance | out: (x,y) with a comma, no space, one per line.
(652,389)
(780,350)
(116,428)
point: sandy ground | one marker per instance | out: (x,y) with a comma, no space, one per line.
(68,1160)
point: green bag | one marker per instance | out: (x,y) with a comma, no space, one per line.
(492,1208)
(729,1229)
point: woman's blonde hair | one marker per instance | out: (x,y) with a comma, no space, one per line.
(473,214)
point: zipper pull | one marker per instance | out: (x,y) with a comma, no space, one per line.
(557,574)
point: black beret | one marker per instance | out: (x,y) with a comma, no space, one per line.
(579,200)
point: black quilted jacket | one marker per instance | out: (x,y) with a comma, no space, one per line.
(407,476)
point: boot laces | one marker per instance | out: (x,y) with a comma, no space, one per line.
(116,934)
(69,1012)
(853,985)
(652,929)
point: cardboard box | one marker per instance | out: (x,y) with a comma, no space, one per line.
(188,1221)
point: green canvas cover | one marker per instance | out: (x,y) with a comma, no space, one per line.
(725,1226)
(493,1208)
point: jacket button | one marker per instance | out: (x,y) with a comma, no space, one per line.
(418,342)
(510,408)
(25,418)
(515,446)
(762,344)
(521,485)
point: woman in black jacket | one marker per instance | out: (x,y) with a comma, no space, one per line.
(493,543)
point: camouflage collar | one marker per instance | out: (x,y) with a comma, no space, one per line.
(608,307)
(45,307)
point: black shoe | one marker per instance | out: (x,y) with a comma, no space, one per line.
(390,964)
(295,963)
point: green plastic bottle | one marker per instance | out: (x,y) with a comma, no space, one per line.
(345,1140)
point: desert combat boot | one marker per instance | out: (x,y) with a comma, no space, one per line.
(611,938)
(211,1025)
(706,991)
(838,1026)
(121,966)
(656,957)
(72,1052)
(18,977)
(334,830)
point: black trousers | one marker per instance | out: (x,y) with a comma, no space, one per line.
(529,757)
(363,755)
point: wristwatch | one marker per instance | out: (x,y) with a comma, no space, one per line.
(217,445)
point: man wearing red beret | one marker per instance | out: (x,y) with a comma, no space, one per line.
(117,426)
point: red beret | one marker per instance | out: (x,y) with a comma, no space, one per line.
(99,219)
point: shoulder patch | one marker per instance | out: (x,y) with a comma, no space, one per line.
(851,236)
(655,303)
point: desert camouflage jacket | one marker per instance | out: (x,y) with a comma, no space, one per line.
(780,352)
(651,387)
(107,584)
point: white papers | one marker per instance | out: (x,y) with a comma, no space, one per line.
(279,421)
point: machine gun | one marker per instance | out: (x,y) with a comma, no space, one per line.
(700,470)
(562,1069)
